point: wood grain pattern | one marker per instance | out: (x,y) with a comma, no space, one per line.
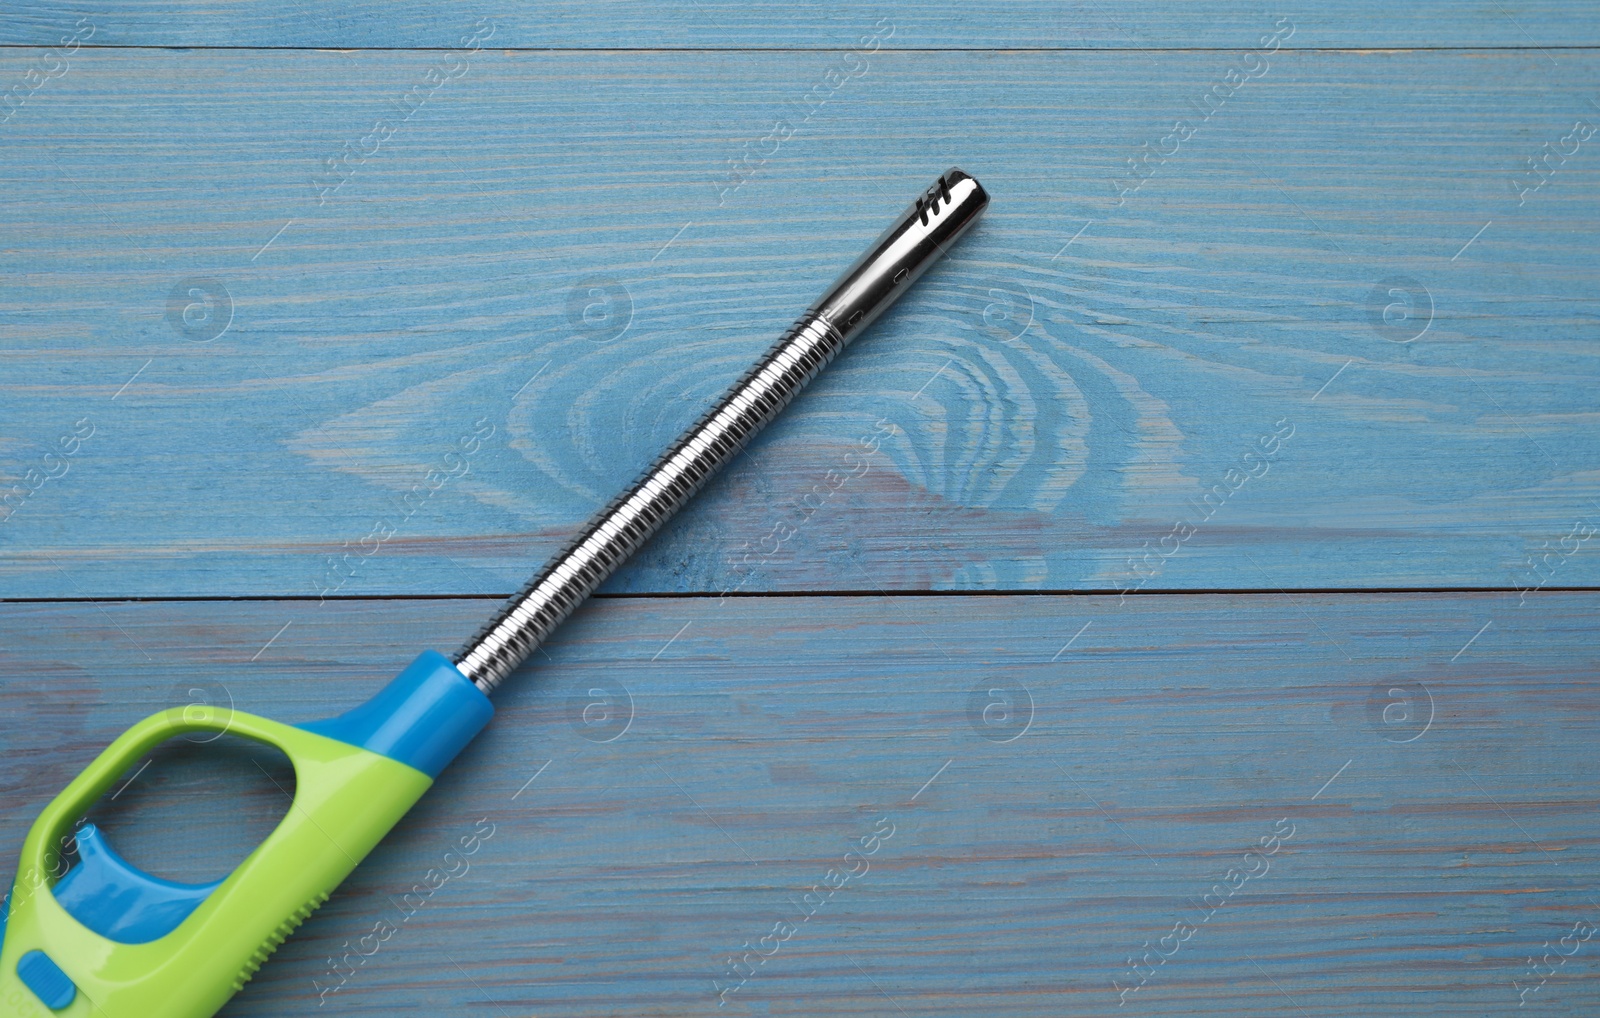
(719,24)
(458,310)
(1164,742)
(1055,409)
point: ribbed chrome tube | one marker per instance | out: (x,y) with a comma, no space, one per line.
(901,254)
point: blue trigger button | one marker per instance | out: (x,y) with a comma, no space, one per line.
(45,978)
(105,893)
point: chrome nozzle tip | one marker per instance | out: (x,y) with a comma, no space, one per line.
(960,191)
(924,231)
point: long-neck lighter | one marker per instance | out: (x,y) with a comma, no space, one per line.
(105,939)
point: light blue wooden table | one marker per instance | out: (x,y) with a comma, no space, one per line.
(1239,490)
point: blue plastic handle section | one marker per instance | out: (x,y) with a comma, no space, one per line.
(105,893)
(423,718)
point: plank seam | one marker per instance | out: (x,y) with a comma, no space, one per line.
(749,595)
(1359,50)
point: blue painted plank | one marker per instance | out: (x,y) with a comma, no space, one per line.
(546,272)
(721,24)
(1167,737)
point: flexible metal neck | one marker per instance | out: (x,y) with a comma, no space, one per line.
(877,279)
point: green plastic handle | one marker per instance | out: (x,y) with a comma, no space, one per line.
(346,799)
